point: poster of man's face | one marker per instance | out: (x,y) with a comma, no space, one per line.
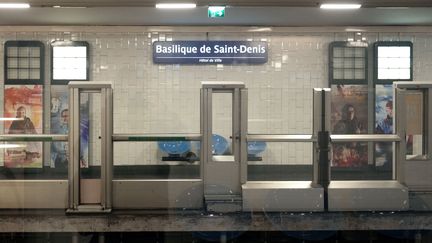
(349,116)
(383,124)
(60,125)
(23,113)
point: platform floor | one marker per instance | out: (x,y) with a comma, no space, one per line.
(191,221)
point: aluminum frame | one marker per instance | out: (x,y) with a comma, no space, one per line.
(223,175)
(75,89)
(414,172)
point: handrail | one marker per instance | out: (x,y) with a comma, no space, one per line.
(197,137)
(33,137)
(335,138)
(364,138)
(280,138)
(156,137)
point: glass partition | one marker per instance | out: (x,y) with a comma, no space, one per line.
(222,123)
(23,115)
(416,125)
(156,160)
(173,110)
(280,161)
(280,111)
(23,160)
(90,147)
(350,115)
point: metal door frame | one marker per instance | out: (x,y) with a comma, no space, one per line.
(414,173)
(75,89)
(214,189)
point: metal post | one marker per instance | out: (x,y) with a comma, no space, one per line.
(324,145)
(109,147)
(70,153)
(399,154)
(236,124)
(243,135)
(321,127)
(316,128)
(74,119)
(203,141)
(103,151)
(428,115)
(106,148)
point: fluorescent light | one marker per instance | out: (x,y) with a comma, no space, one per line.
(260,29)
(339,6)
(12,146)
(58,6)
(10,119)
(14,5)
(175,5)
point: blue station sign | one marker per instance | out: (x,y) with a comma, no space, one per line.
(210,52)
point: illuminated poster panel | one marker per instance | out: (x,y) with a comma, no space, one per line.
(349,116)
(24,115)
(383,124)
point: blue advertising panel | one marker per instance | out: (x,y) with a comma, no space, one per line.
(210,52)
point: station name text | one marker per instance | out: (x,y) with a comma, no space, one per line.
(215,49)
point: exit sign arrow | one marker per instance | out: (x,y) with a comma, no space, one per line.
(216,12)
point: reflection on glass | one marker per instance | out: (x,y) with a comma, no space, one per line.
(384,125)
(255,149)
(24,104)
(60,125)
(415,126)
(90,149)
(177,151)
(157,160)
(279,161)
(349,116)
(222,123)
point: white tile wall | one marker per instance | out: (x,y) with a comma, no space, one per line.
(152,98)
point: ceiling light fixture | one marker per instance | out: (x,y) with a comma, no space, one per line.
(58,6)
(339,6)
(14,5)
(175,5)
(10,119)
(6,146)
(260,29)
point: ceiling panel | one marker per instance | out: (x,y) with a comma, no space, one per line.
(238,12)
(235,16)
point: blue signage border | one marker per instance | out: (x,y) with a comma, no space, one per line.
(210,52)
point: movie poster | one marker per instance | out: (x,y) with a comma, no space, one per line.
(383,124)
(349,116)
(60,125)
(23,110)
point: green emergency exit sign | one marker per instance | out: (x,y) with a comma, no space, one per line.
(216,12)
